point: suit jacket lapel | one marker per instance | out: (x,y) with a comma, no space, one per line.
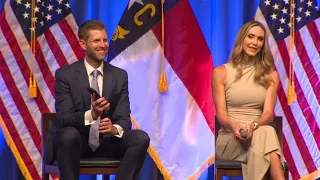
(107,82)
(82,77)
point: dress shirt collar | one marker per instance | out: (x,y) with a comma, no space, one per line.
(90,69)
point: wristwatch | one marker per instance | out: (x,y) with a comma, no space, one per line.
(255,125)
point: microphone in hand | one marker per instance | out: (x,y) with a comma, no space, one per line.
(243,133)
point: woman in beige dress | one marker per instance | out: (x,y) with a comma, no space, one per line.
(244,92)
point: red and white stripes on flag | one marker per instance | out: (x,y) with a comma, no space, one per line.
(301,120)
(21,116)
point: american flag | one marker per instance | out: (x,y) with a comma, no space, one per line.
(56,45)
(301,120)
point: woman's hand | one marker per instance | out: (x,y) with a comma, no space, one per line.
(236,130)
(250,128)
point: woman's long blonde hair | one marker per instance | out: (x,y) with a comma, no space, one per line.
(264,62)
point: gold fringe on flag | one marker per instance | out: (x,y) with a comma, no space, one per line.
(11,143)
(163,84)
(32,79)
(153,154)
(292,96)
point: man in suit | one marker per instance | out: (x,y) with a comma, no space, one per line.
(79,129)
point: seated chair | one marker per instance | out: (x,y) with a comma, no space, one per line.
(105,166)
(233,167)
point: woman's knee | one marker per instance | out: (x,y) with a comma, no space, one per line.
(266,129)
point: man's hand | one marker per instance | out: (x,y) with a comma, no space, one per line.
(106,126)
(98,106)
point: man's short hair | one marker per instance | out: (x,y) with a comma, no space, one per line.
(89,25)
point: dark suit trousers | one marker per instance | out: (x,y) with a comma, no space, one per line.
(71,145)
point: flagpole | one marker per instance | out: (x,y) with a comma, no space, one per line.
(163,84)
(155,172)
(32,79)
(291,91)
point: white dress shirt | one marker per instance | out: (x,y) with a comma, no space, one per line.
(88,120)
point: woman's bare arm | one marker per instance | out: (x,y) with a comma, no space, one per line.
(270,101)
(219,76)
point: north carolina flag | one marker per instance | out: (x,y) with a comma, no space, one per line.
(180,121)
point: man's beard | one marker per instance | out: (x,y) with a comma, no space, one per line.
(92,56)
